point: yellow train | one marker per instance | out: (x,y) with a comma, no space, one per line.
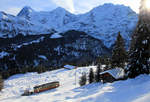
(46,86)
(41,88)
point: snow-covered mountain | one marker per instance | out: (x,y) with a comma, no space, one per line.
(11,26)
(50,20)
(103,22)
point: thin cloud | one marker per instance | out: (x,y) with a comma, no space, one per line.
(13,11)
(14,6)
(82,6)
(67,4)
(74,6)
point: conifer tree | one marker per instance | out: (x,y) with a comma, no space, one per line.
(139,56)
(91,76)
(97,75)
(83,79)
(119,55)
(140,49)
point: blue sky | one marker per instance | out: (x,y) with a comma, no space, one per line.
(74,6)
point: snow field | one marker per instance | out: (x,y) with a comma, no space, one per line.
(15,85)
(131,90)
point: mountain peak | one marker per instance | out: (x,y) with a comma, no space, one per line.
(25,11)
(113,8)
(60,10)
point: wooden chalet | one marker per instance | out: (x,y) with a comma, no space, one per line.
(112,75)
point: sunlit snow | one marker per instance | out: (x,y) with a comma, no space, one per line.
(131,90)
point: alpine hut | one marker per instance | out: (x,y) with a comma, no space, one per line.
(112,75)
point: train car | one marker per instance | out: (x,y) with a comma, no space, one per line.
(27,93)
(46,86)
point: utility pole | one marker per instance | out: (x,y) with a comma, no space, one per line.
(75,75)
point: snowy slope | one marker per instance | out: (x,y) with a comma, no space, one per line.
(131,90)
(103,22)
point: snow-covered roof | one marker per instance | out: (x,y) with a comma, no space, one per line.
(3,53)
(42,57)
(116,72)
(69,67)
(56,35)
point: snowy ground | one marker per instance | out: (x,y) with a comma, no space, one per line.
(131,90)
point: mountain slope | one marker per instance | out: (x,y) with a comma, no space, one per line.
(103,22)
(49,50)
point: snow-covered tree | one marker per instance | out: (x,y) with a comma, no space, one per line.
(97,75)
(91,76)
(139,56)
(83,79)
(119,54)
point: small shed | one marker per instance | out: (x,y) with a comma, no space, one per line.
(112,75)
(70,67)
